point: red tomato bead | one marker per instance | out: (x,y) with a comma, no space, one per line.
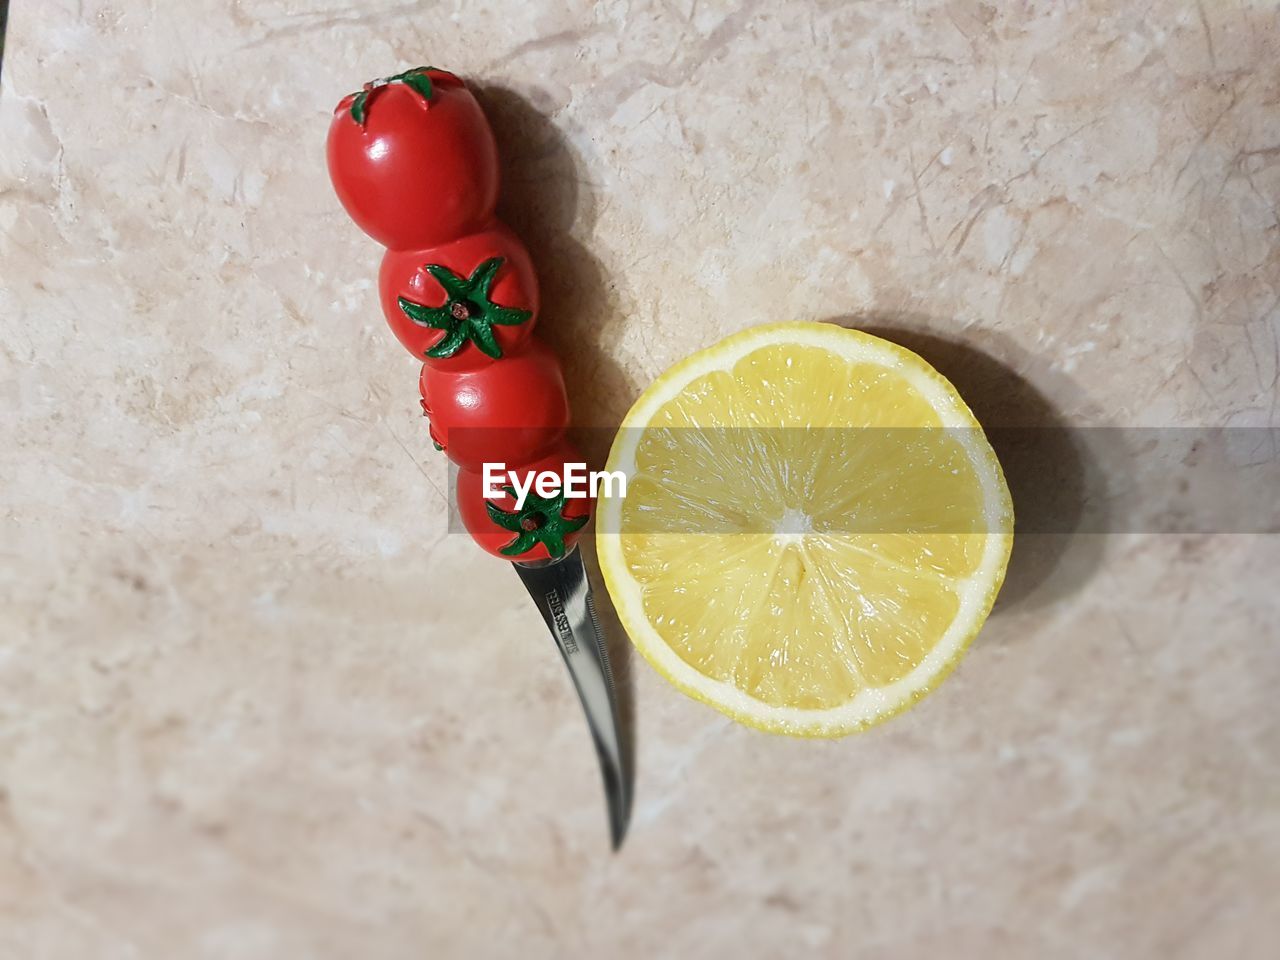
(422,392)
(502,300)
(412,170)
(426,409)
(512,411)
(548,528)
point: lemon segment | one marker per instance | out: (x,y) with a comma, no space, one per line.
(815,527)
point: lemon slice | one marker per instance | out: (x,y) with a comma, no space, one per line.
(814,528)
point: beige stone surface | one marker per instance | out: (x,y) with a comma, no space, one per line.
(256,704)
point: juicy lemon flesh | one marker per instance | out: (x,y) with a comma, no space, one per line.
(801,566)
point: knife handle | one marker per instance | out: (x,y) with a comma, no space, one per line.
(414,163)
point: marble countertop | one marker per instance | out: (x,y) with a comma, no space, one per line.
(255,703)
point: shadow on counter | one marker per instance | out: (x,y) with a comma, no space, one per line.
(4,23)
(546,199)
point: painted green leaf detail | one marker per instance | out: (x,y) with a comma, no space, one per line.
(508,317)
(468,314)
(521,544)
(482,337)
(358,111)
(454,285)
(541,520)
(447,347)
(482,278)
(417,79)
(508,521)
(426,316)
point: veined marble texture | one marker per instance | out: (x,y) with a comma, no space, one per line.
(256,704)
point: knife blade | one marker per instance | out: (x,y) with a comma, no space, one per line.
(562,592)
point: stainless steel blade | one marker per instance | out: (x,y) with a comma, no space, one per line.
(562,592)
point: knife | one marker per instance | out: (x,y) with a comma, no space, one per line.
(562,592)
(414,163)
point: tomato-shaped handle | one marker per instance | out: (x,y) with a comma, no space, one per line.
(413,160)
(414,163)
(527,513)
(464,303)
(510,412)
